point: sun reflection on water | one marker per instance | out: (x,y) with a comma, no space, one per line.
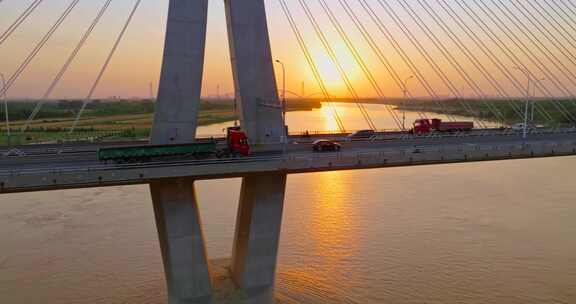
(331,239)
(330,224)
(329,111)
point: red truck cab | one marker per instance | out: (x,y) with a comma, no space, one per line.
(237,141)
(422,126)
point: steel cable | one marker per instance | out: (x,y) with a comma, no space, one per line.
(38,47)
(453,62)
(359,61)
(334,58)
(505,29)
(487,51)
(564,31)
(397,48)
(14,26)
(530,55)
(311,63)
(429,59)
(570,6)
(105,65)
(67,64)
(535,40)
(376,49)
(470,55)
(479,21)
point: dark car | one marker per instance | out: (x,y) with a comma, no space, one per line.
(362,134)
(325,145)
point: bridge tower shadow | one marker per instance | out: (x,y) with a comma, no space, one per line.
(189,276)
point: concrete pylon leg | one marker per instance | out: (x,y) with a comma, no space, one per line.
(252,66)
(181,241)
(257,235)
(176,115)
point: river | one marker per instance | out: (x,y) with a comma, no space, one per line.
(496,232)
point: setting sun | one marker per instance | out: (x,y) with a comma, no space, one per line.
(329,72)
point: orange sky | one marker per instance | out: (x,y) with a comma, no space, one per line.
(137,62)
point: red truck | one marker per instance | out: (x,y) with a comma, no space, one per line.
(237,141)
(425,126)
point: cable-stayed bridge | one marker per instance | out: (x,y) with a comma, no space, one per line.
(491,57)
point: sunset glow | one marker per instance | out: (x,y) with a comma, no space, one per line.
(137,63)
(329,71)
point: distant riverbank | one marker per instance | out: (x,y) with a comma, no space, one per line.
(109,118)
(509,111)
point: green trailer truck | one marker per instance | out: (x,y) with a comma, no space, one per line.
(236,144)
(150,152)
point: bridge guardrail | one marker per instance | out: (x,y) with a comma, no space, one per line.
(305,156)
(106,175)
(58,149)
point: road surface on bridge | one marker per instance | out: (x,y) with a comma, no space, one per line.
(82,169)
(87,155)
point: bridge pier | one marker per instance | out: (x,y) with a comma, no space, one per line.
(181,241)
(258,227)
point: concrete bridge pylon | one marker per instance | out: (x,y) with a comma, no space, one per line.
(258,223)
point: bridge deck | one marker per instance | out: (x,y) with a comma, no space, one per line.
(81,169)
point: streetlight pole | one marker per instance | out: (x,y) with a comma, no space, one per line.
(536,81)
(405,93)
(283,100)
(525,133)
(5,106)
